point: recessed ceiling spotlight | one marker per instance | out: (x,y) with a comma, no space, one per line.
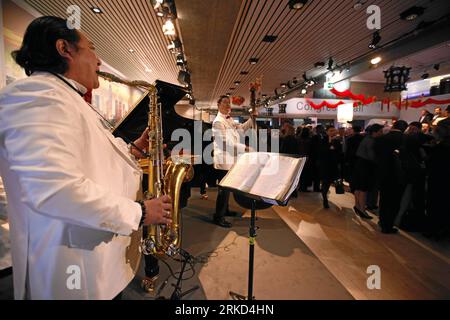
(283,85)
(412,13)
(303,91)
(269,38)
(131,50)
(359,4)
(375,60)
(376,38)
(319,64)
(297,4)
(253,60)
(97,10)
(244,73)
(236,83)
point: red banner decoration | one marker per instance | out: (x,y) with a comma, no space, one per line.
(327,104)
(237,100)
(351,95)
(420,104)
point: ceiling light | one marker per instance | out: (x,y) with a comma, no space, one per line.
(244,73)
(303,91)
(330,64)
(269,38)
(232,89)
(358,5)
(319,64)
(174,45)
(264,96)
(97,10)
(297,4)
(376,38)
(375,60)
(157,3)
(131,50)
(304,77)
(180,60)
(236,83)
(283,85)
(412,13)
(253,60)
(169,28)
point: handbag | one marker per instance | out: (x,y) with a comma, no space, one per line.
(339,186)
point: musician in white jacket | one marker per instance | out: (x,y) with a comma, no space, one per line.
(228,145)
(71,185)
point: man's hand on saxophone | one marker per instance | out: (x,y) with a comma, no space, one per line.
(158,211)
(141,143)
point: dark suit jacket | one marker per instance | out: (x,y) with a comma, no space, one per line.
(388,166)
(428,118)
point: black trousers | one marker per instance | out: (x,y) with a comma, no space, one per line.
(390,198)
(223,196)
(326,183)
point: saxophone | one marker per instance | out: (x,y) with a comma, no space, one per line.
(165,177)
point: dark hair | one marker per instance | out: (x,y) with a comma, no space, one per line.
(305,133)
(38,51)
(221,98)
(400,125)
(330,127)
(357,129)
(416,124)
(374,128)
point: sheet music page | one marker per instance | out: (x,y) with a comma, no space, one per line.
(275,178)
(244,173)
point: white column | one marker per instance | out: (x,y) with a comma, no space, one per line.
(2,50)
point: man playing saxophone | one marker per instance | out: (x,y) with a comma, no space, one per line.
(71,185)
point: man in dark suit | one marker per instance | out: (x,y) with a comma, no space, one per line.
(352,144)
(425,117)
(391,178)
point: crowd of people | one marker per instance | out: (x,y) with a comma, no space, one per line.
(400,170)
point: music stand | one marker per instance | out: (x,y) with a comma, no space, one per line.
(262,201)
(254,203)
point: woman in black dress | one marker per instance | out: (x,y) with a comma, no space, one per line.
(330,161)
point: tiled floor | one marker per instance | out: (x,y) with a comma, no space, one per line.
(411,267)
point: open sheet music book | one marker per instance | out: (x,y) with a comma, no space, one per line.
(270,176)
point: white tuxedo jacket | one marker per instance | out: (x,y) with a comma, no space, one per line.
(227,140)
(71,188)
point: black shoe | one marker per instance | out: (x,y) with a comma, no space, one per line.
(222,222)
(390,230)
(232,214)
(362,214)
